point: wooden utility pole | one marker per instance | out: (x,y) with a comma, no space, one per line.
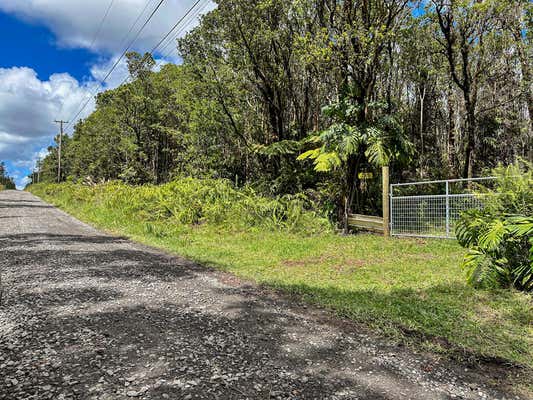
(386,200)
(60,122)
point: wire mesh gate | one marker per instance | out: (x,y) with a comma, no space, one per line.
(431,209)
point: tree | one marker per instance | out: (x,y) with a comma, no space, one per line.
(378,142)
(466,29)
(5,180)
(265,80)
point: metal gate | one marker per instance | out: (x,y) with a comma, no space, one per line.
(431,209)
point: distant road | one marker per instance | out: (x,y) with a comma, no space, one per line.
(90,316)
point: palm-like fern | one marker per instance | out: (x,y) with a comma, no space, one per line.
(381,141)
(500,246)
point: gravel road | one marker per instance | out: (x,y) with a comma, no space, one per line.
(89,316)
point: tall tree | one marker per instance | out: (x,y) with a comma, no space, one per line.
(466,28)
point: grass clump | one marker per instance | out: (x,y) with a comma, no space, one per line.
(411,289)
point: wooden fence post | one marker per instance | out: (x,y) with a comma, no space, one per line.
(386,200)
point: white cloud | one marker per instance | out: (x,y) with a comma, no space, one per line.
(99,71)
(29,106)
(23,182)
(74,23)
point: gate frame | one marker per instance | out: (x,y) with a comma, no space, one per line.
(447,196)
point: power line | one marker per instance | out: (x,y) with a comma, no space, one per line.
(175,25)
(186,17)
(175,37)
(101,23)
(154,11)
(180,21)
(190,18)
(121,45)
(188,21)
(135,23)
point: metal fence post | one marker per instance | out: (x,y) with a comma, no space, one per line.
(447,209)
(391,223)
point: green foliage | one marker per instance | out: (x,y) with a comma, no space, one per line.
(193,202)
(499,238)
(6,182)
(381,141)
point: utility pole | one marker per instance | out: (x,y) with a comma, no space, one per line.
(60,122)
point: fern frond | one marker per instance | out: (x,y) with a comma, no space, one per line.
(327,162)
(309,154)
(493,235)
(282,147)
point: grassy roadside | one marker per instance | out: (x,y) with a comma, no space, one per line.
(394,286)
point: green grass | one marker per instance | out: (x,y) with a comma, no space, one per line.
(410,289)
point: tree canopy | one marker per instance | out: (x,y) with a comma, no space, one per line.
(6,182)
(306,95)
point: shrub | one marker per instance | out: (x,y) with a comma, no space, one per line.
(190,201)
(499,238)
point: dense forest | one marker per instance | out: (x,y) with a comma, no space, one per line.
(314,95)
(6,182)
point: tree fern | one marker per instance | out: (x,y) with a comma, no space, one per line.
(499,242)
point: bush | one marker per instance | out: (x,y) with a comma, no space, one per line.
(190,201)
(499,238)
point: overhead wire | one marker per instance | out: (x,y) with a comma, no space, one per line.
(172,40)
(154,11)
(187,18)
(99,30)
(175,25)
(124,39)
(127,35)
(184,21)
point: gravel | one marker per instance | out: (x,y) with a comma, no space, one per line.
(89,316)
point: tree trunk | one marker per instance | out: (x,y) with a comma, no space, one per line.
(452,159)
(470,130)
(350,184)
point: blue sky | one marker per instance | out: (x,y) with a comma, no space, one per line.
(35,47)
(51,62)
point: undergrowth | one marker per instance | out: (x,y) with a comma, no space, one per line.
(190,201)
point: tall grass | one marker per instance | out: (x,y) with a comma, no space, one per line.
(190,201)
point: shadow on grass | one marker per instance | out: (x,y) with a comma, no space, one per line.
(446,316)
